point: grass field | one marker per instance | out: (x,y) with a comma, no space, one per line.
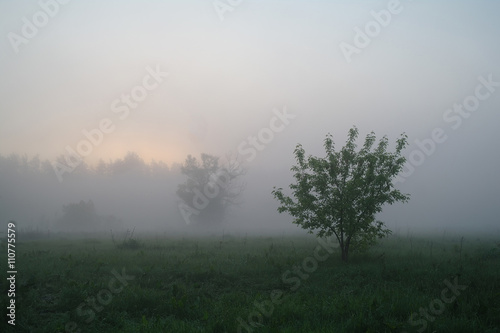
(255,284)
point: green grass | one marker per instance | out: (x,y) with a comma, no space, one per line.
(208,284)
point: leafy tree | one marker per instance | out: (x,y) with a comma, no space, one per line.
(82,216)
(209,190)
(341,193)
(131,163)
(79,216)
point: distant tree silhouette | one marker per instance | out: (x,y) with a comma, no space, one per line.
(130,163)
(82,216)
(209,190)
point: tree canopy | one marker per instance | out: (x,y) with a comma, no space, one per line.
(341,193)
(209,190)
(82,216)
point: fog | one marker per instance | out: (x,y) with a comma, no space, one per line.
(134,87)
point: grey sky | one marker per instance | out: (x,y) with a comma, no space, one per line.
(225,78)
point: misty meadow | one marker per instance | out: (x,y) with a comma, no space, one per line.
(237,166)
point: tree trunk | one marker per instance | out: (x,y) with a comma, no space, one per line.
(345,252)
